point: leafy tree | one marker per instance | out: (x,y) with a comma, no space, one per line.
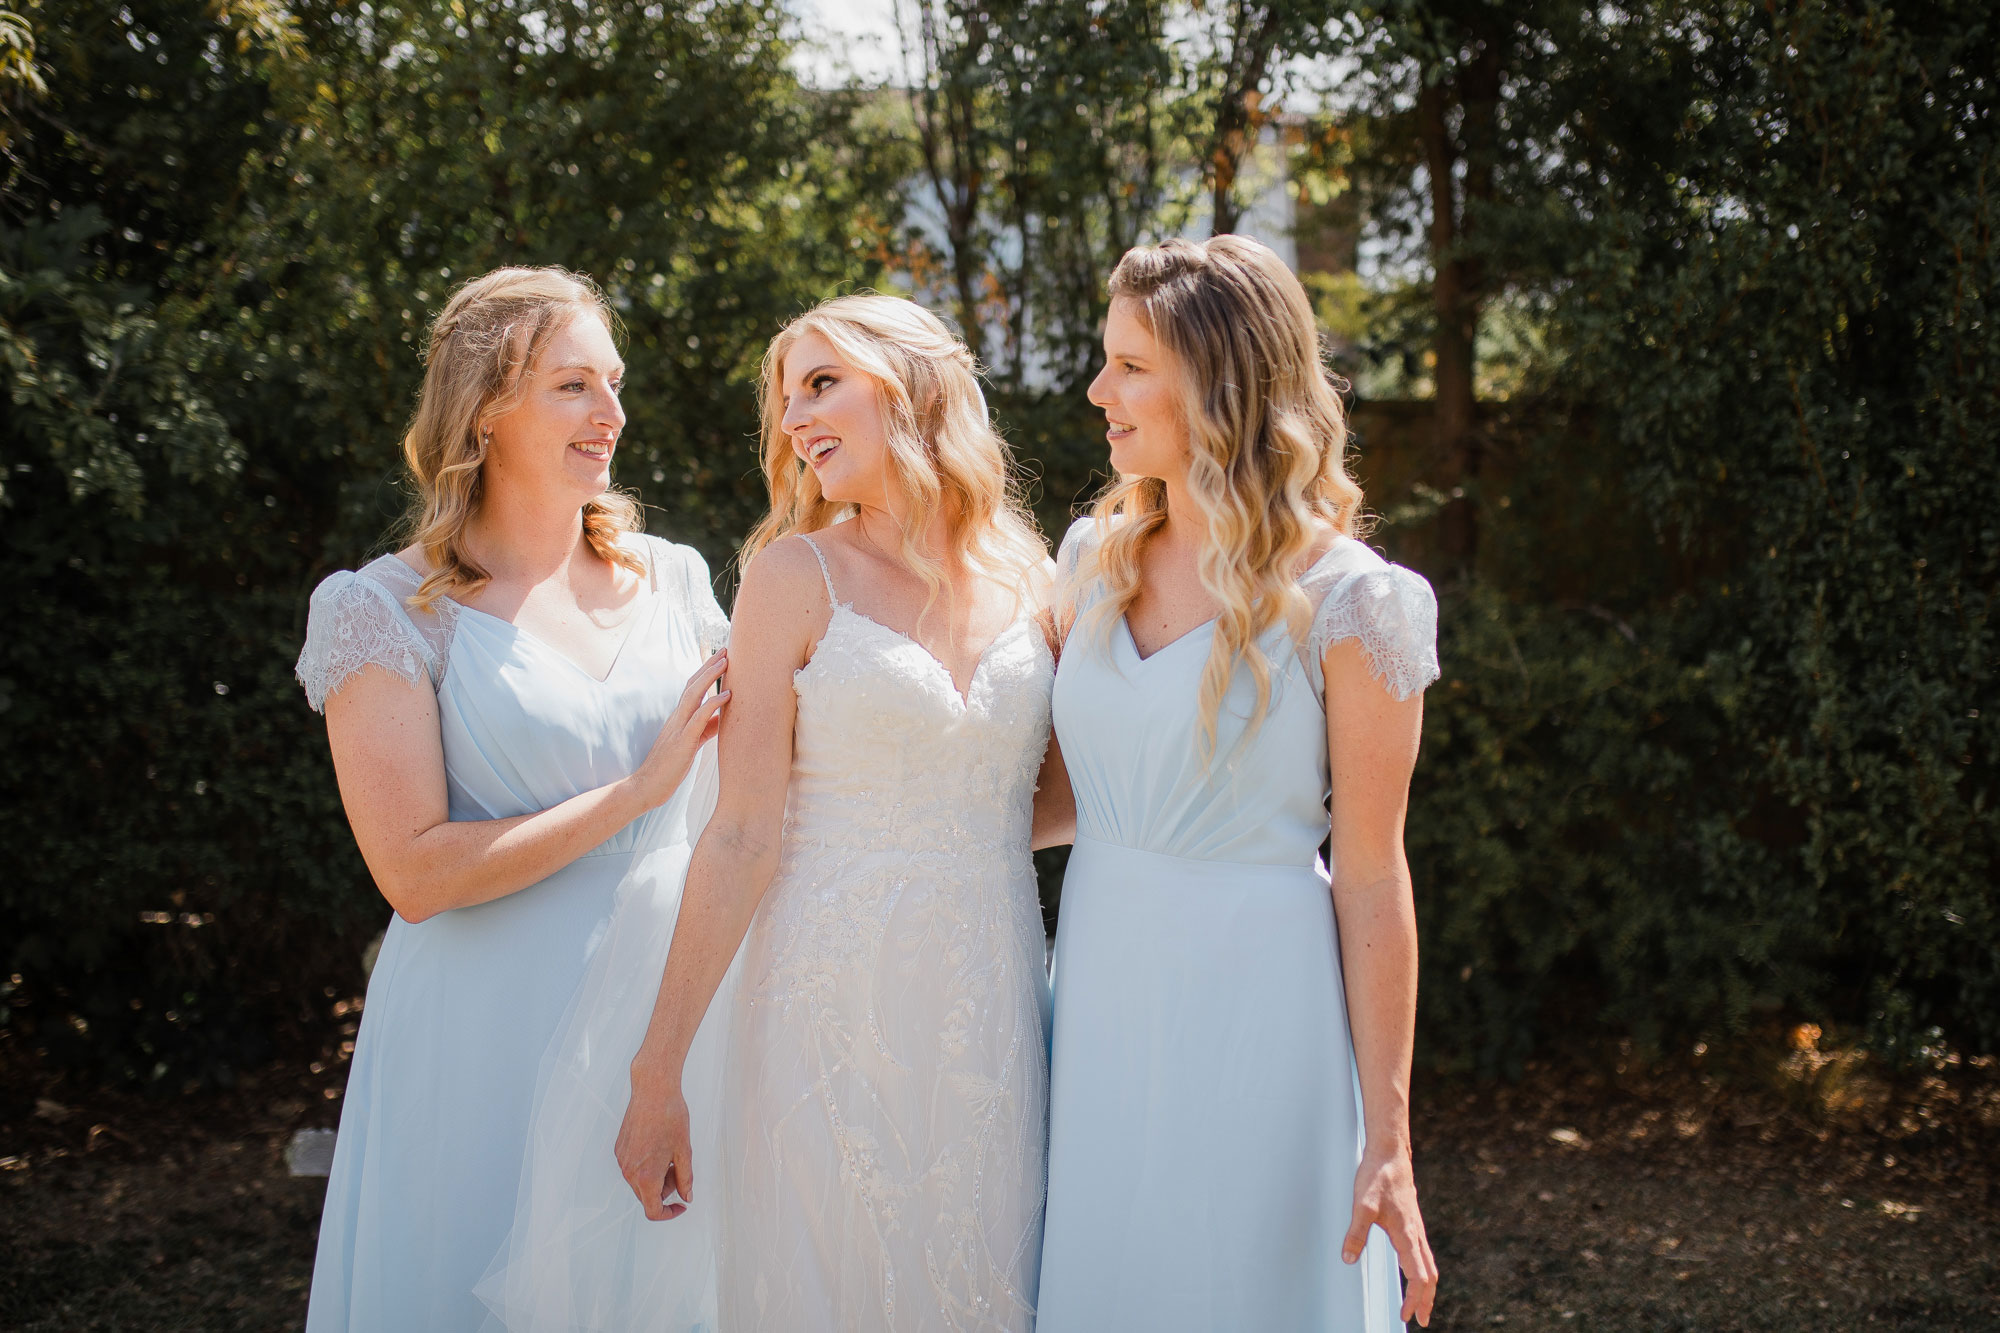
(220,242)
(1710,746)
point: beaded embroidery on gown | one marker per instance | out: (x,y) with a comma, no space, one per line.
(886,1097)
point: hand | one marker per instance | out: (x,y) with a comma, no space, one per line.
(653,1148)
(1385,1195)
(695,720)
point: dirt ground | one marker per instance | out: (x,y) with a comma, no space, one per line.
(1805,1194)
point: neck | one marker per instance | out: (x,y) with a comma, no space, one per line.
(1184,521)
(885,529)
(525,538)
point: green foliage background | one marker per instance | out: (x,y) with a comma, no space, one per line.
(1714,744)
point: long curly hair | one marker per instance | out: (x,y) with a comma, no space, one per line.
(1266,448)
(945,457)
(481,345)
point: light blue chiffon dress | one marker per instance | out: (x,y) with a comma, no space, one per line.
(1205,1122)
(461,1007)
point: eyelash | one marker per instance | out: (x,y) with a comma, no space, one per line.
(819,382)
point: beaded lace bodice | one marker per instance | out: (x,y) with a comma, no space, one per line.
(893,1085)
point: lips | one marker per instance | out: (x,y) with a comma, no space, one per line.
(596,450)
(817,450)
(1118,430)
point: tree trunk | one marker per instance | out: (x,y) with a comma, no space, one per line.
(953,145)
(1457,289)
(1236,116)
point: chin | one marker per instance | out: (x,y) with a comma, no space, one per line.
(1130,461)
(588,488)
(831,489)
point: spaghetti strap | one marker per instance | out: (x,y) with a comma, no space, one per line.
(831,595)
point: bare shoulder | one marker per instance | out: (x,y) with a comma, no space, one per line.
(1326,540)
(414,557)
(782,600)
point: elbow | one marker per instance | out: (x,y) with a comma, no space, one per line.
(739,853)
(409,905)
(414,897)
(1052,833)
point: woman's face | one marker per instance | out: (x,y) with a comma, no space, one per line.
(559,437)
(1141,402)
(833,414)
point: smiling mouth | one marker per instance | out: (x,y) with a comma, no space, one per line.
(596,450)
(1118,429)
(817,451)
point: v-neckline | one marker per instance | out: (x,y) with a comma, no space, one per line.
(617,656)
(1132,640)
(963,696)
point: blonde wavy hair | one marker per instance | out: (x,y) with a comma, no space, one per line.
(481,346)
(945,457)
(1266,448)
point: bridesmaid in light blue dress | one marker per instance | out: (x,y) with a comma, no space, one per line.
(503,748)
(1228,1109)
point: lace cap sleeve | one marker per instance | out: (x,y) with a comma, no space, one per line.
(355,622)
(1072,569)
(1389,608)
(696,590)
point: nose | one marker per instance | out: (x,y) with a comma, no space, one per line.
(1096,392)
(796,417)
(609,413)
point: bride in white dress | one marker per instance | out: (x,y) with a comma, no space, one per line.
(884,1099)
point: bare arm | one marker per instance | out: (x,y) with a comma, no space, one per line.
(1372,749)
(780,611)
(1055,801)
(389,758)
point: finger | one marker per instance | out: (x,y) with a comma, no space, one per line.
(1357,1233)
(1430,1285)
(1419,1301)
(698,684)
(681,1172)
(1413,1256)
(709,671)
(644,1189)
(706,721)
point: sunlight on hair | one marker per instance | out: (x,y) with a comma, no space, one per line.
(481,343)
(944,454)
(1267,448)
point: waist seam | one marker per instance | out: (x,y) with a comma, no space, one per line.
(1083,842)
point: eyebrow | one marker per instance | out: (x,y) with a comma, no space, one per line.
(585,365)
(807,378)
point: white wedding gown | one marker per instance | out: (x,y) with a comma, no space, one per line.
(872,1081)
